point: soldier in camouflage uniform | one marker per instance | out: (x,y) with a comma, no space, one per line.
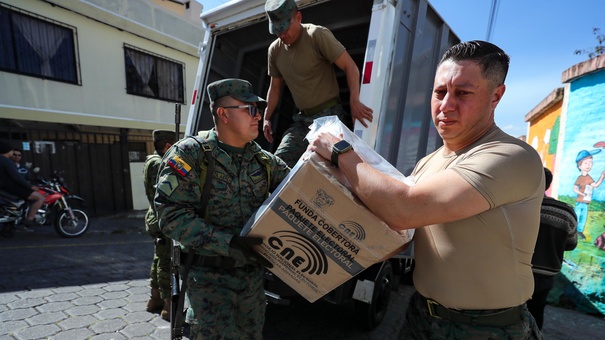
(160,267)
(225,283)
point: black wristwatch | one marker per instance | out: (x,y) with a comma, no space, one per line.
(338,149)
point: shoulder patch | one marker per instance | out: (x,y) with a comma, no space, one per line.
(257,175)
(179,165)
(167,184)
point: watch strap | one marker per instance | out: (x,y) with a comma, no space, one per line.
(334,158)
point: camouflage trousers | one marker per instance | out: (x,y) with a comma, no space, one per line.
(294,144)
(420,325)
(160,267)
(226,303)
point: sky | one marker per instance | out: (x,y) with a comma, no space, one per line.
(540,36)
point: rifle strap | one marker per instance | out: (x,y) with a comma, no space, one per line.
(178,322)
(208,181)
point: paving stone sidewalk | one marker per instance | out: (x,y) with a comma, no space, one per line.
(92,287)
(96,287)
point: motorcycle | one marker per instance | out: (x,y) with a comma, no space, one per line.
(58,207)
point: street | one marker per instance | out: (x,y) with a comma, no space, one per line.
(96,287)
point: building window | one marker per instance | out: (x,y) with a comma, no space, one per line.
(150,75)
(37,46)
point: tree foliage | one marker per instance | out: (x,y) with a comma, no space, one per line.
(597,50)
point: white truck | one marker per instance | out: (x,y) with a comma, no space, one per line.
(396,45)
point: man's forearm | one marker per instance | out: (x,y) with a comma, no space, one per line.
(352,74)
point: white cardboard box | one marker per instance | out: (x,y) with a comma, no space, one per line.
(317,234)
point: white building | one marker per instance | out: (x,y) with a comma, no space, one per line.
(84,82)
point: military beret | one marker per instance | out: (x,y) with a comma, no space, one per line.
(280,15)
(163,135)
(235,88)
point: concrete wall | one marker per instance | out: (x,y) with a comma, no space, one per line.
(584,131)
(139,199)
(563,129)
(101,99)
(543,132)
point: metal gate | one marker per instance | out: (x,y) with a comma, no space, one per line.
(94,165)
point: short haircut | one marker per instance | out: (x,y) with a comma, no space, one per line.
(158,145)
(219,102)
(492,59)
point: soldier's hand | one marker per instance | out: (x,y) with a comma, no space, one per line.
(240,248)
(268,131)
(361,113)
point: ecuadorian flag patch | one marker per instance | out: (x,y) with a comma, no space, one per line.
(179,165)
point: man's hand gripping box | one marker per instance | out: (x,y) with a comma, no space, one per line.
(317,233)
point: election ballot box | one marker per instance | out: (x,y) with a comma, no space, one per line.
(317,234)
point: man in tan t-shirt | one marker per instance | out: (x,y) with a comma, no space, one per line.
(475,206)
(303,58)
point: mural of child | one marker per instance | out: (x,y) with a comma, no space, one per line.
(584,187)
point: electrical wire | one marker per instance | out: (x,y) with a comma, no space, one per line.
(492,19)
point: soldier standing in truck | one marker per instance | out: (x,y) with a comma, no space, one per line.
(303,58)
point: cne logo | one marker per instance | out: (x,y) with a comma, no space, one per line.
(353,230)
(322,199)
(300,251)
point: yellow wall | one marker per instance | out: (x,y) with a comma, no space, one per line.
(540,131)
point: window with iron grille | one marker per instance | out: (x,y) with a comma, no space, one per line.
(150,75)
(36,46)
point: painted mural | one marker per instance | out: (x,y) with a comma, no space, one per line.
(581,173)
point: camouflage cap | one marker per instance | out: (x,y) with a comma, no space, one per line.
(163,135)
(235,88)
(280,15)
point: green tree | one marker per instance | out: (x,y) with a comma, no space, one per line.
(597,50)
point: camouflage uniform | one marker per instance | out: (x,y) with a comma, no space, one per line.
(419,324)
(225,303)
(294,144)
(160,267)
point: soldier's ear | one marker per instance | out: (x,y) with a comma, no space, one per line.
(221,113)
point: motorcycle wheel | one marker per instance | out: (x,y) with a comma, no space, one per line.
(67,227)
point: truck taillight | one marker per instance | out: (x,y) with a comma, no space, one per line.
(367,69)
(367,72)
(193,97)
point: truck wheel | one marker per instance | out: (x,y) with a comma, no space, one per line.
(370,315)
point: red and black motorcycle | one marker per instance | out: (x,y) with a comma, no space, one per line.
(60,206)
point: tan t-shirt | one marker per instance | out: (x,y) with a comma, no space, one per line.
(484,261)
(306,65)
